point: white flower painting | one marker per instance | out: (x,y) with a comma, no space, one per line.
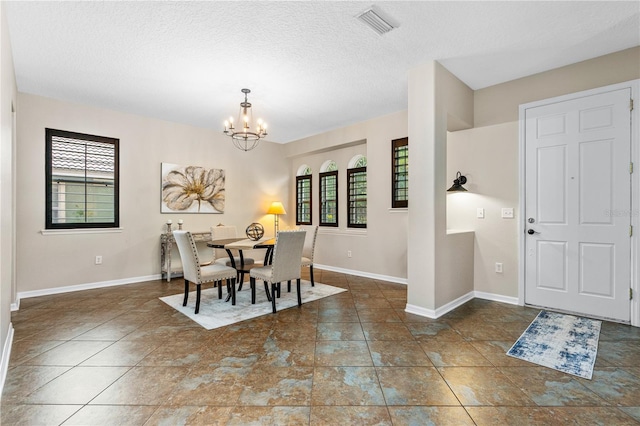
(192,189)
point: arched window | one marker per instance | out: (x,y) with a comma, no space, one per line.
(358,161)
(357,192)
(303,195)
(329,194)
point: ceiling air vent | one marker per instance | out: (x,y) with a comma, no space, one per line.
(376,20)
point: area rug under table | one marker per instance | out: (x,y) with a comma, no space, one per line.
(216,312)
(563,342)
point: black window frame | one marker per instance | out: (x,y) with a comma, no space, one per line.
(323,178)
(50,134)
(396,200)
(352,200)
(300,203)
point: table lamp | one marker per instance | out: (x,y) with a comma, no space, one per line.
(276,209)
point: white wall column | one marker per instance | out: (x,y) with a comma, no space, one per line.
(421,270)
(438,102)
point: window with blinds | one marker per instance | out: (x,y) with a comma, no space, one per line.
(81,181)
(303,200)
(400,173)
(329,198)
(357,197)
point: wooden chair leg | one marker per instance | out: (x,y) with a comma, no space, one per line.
(198,298)
(289,286)
(186,293)
(219,284)
(273,299)
(252,284)
(313,283)
(233,290)
(298,289)
(240,279)
(278,287)
(266,289)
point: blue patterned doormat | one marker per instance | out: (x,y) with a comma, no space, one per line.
(563,342)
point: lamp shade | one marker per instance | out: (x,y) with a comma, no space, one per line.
(276,208)
(457,183)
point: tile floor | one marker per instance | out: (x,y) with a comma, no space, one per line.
(121,356)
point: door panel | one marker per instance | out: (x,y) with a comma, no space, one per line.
(578,195)
(552,175)
(552,266)
(597,269)
(596,182)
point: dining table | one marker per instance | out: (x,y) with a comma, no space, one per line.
(241,244)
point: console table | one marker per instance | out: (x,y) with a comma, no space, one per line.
(167,243)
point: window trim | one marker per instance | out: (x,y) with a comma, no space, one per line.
(49,225)
(320,186)
(298,214)
(395,144)
(351,172)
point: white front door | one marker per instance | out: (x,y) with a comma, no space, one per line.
(578,205)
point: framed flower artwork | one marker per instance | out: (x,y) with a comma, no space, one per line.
(192,189)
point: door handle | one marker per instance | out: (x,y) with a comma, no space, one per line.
(531,232)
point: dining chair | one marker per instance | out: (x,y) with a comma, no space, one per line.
(309,248)
(197,274)
(221,257)
(286,265)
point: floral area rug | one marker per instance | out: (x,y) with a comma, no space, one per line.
(563,342)
(216,312)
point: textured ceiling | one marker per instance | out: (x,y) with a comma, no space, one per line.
(311,66)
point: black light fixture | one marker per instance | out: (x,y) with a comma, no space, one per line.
(457,183)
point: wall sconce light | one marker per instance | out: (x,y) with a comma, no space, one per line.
(276,209)
(457,183)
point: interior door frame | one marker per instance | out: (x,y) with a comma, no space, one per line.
(634,85)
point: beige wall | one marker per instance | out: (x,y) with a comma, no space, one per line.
(253,180)
(499,103)
(488,155)
(8,95)
(7,190)
(381,249)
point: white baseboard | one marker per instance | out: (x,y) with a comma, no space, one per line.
(496,297)
(419,310)
(6,354)
(87,286)
(454,304)
(438,312)
(397,280)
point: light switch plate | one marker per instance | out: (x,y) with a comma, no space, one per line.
(507,213)
(480,213)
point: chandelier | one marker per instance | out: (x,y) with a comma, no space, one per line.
(246,136)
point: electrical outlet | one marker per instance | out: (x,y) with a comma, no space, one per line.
(507,213)
(480,213)
(98,260)
(348,253)
(498,267)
